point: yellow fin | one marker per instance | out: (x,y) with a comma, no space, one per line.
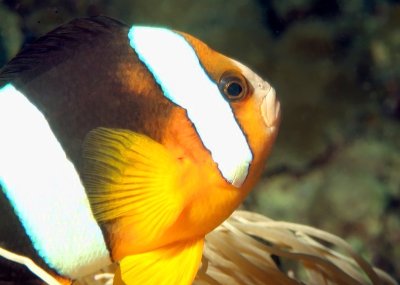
(176,264)
(129,175)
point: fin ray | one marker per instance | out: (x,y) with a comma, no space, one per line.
(128,175)
(162,265)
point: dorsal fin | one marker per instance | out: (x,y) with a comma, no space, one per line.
(57,45)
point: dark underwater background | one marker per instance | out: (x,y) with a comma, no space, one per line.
(335,65)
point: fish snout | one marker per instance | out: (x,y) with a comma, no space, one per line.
(270,109)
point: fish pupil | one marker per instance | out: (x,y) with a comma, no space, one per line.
(234,89)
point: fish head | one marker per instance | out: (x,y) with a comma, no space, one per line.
(258,113)
(233,126)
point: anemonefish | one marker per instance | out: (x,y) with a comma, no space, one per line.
(128,145)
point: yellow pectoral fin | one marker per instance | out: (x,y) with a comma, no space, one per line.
(128,175)
(176,264)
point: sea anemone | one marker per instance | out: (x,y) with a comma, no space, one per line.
(250,248)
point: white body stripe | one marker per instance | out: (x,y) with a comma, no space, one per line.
(45,190)
(178,71)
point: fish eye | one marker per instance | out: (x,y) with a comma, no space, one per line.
(233,86)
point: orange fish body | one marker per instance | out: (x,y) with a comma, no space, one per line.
(160,136)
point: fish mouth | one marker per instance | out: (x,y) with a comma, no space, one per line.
(270,109)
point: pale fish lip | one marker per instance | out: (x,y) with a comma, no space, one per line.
(270,109)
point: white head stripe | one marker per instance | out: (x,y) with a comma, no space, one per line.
(176,68)
(45,190)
